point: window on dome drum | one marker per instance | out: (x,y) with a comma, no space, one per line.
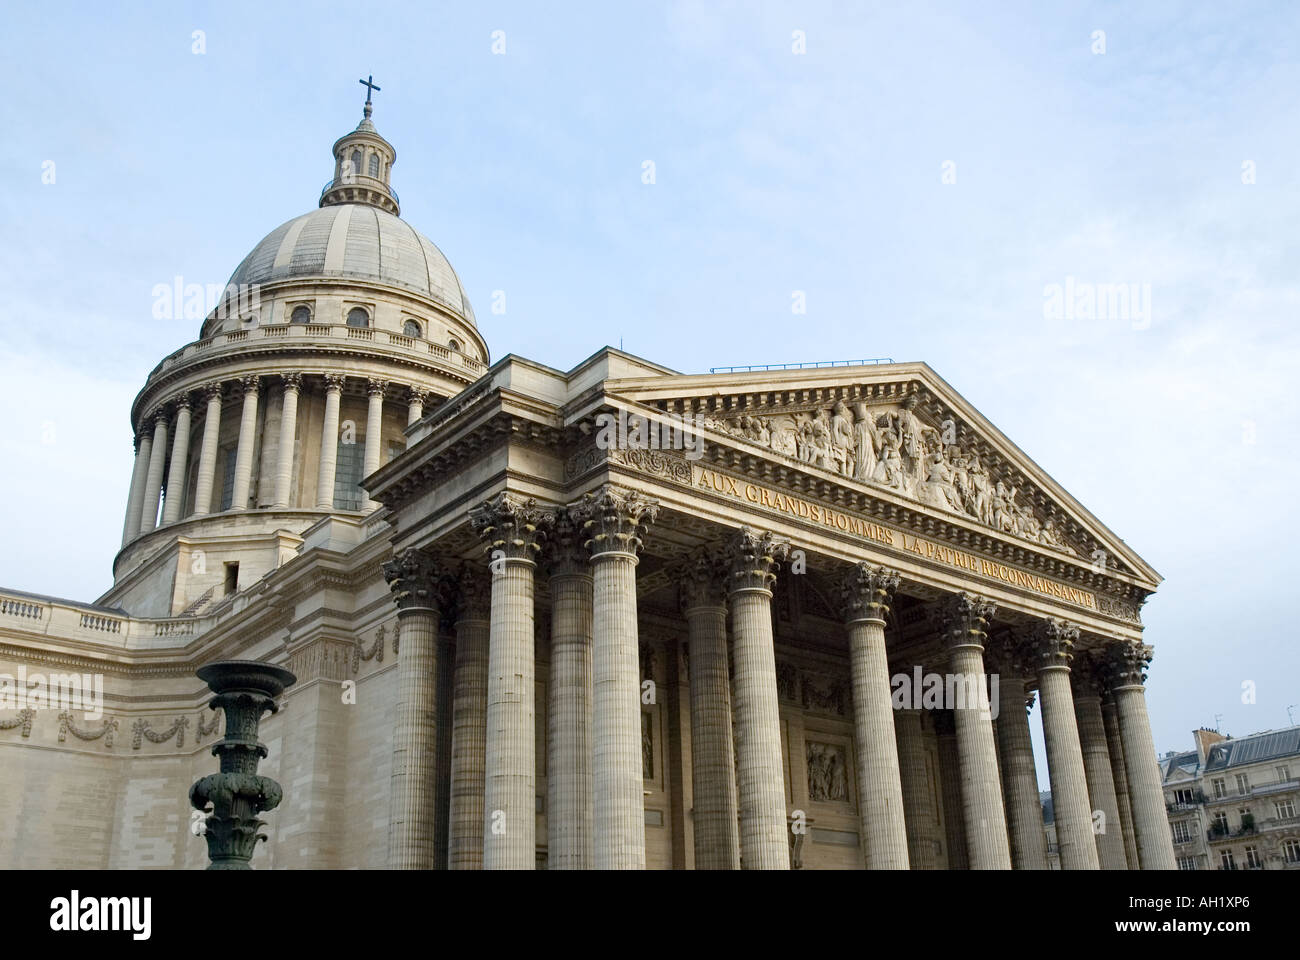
(358,318)
(454,344)
(411,329)
(356,163)
(347,475)
(228,480)
(374,165)
(301,314)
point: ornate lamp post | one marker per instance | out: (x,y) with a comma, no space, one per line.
(245,689)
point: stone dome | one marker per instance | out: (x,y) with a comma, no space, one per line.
(356,240)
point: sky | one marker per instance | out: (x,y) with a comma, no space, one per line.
(927,179)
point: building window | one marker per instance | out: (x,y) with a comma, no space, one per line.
(1219,790)
(1225,860)
(1186,863)
(300,314)
(1243,784)
(357,317)
(355,169)
(454,344)
(347,475)
(1252,858)
(1182,831)
(1283,774)
(412,329)
(1291,850)
(232,578)
(1220,823)
(1184,796)
(374,165)
(1285,809)
(228,479)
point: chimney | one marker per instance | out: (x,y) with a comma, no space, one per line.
(1204,739)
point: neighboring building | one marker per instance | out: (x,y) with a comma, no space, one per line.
(522,639)
(1233,804)
(1049,830)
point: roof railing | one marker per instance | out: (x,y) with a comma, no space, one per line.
(802,366)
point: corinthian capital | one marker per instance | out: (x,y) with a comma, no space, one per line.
(1053,643)
(755,557)
(702,579)
(866,592)
(566,554)
(966,618)
(212,391)
(1087,675)
(473,593)
(613,520)
(1127,661)
(414,578)
(1009,652)
(517,528)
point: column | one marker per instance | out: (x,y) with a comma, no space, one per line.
(918,797)
(513,531)
(1155,846)
(1019,776)
(1096,763)
(154,478)
(701,593)
(469,720)
(1053,649)
(329,443)
(760,779)
(247,436)
(865,594)
(414,579)
(954,818)
(569,842)
(208,452)
(415,404)
(288,433)
(135,496)
(1116,750)
(180,460)
(613,523)
(966,621)
(374,434)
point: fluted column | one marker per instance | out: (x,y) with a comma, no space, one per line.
(966,620)
(1127,661)
(1096,762)
(919,811)
(415,404)
(415,581)
(288,434)
(374,434)
(1019,776)
(569,830)
(954,817)
(1053,648)
(613,522)
(1115,748)
(208,451)
(247,437)
(135,496)
(865,595)
(329,443)
(469,719)
(760,778)
(180,457)
(513,531)
(701,593)
(154,478)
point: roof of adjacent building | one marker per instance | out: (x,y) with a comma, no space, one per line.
(1253,749)
(360,241)
(1184,763)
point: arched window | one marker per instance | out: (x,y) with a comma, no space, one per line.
(411,329)
(454,344)
(301,314)
(374,165)
(357,317)
(356,163)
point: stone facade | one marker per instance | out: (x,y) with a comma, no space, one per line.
(611,617)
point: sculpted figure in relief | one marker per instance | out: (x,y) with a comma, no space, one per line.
(842,440)
(866,442)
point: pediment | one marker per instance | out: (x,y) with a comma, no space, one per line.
(900,431)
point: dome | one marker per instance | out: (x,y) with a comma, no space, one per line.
(360,241)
